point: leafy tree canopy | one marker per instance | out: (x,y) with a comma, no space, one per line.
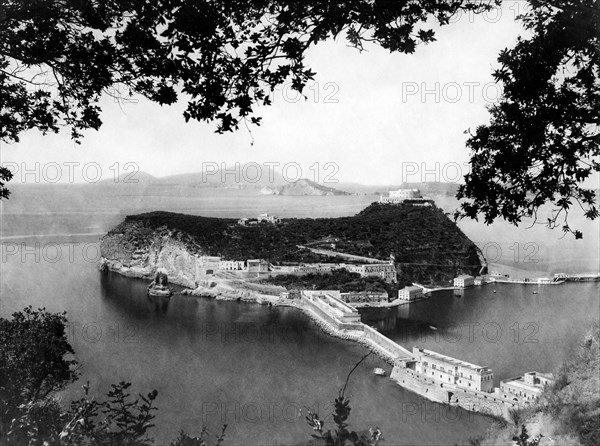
(35,359)
(543,138)
(58,57)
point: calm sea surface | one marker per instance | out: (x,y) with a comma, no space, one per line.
(259,369)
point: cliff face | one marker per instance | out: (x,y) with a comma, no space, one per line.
(133,250)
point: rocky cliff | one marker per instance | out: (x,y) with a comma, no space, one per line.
(132,249)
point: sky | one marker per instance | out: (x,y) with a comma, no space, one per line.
(372,117)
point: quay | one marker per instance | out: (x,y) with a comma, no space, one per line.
(431,375)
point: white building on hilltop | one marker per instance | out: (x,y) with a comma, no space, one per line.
(411,196)
(267,218)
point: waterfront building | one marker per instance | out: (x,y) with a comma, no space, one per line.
(363,297)
(445,369)
(479,280)
(329,306)
(410,293)
(257,266)
(464,281)
(231,265)
(525,388)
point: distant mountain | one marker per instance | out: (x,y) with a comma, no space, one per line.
(131,178)
(302,187)
(240,176)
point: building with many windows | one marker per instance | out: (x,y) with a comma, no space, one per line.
(412,196)
(257,266)
(525,388)
(464,281)
(445,369)
(410,293)
(267,218)
(387,271)
(231,265)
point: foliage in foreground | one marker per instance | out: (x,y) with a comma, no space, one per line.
(568,413)
(543,138)
(33,368)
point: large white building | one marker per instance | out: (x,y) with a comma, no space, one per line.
(257,266)
(405,196)
(231,265)
(267,218)
(410,293)
(387,271)
(464,281)
(405,193)
(445,369)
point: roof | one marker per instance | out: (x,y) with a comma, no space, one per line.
(411,288)
(464,276)
(454,361)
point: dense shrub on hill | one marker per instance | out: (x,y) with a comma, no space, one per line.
(427,245)
(339,279)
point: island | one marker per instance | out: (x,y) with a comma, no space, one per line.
(397,243)
(328,268)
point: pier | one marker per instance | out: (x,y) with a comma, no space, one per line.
(431,375)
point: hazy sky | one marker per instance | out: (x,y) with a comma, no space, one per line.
(372,114)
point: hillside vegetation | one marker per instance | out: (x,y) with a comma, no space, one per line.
(341,279)
(428,247)
(568,413)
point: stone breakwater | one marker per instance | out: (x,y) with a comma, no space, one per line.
(348,335)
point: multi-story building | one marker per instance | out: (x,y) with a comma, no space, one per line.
(231,265)
(363,297)
(267,218)
(410,293)
(525,388)
(405,193)
(257,266)
(412,196)
(446,369)
(464,281)
(387,271)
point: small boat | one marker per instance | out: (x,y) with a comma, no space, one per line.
(379,372)
(535,292)
(494,291)
(433,327)
(159,291)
